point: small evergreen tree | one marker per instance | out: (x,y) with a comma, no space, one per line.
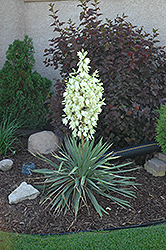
(23,92)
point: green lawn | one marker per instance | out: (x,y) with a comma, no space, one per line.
(137,238)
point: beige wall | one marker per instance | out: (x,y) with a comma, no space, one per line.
(38,27)
(11,25)
(32,18)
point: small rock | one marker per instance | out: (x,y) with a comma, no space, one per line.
(23,192)
(44,142)
(156,164)
(161,156)
(154,172)
(27,167)
(6,164)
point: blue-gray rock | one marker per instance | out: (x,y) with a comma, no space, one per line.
(27,167)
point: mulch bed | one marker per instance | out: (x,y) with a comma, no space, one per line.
(30,217)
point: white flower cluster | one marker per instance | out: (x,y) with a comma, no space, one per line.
(83,99)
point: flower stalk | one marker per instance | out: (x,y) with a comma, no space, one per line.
(83,99)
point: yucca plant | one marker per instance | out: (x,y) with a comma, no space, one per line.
(8,128)
(83,173)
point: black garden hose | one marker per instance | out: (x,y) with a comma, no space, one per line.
(137,150)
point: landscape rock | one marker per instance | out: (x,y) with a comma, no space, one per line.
(44,142)
(157,164)
(161,156)
(153,171)
(27,167)
(23,192)
(6,165)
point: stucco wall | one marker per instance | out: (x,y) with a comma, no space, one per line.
(11,25)
(38,27)
(19,18)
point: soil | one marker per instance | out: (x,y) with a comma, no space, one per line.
(30,217)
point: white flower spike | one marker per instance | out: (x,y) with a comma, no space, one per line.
(83,99)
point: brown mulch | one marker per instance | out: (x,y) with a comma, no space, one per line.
(30,217)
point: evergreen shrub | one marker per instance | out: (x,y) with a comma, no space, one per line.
(23,92)
(131,67)
(161,128)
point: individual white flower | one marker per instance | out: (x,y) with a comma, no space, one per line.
(82,99)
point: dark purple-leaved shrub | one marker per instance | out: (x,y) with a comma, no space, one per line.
(131,67)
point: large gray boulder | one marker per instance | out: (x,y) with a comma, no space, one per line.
(23,192)
(44,142)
